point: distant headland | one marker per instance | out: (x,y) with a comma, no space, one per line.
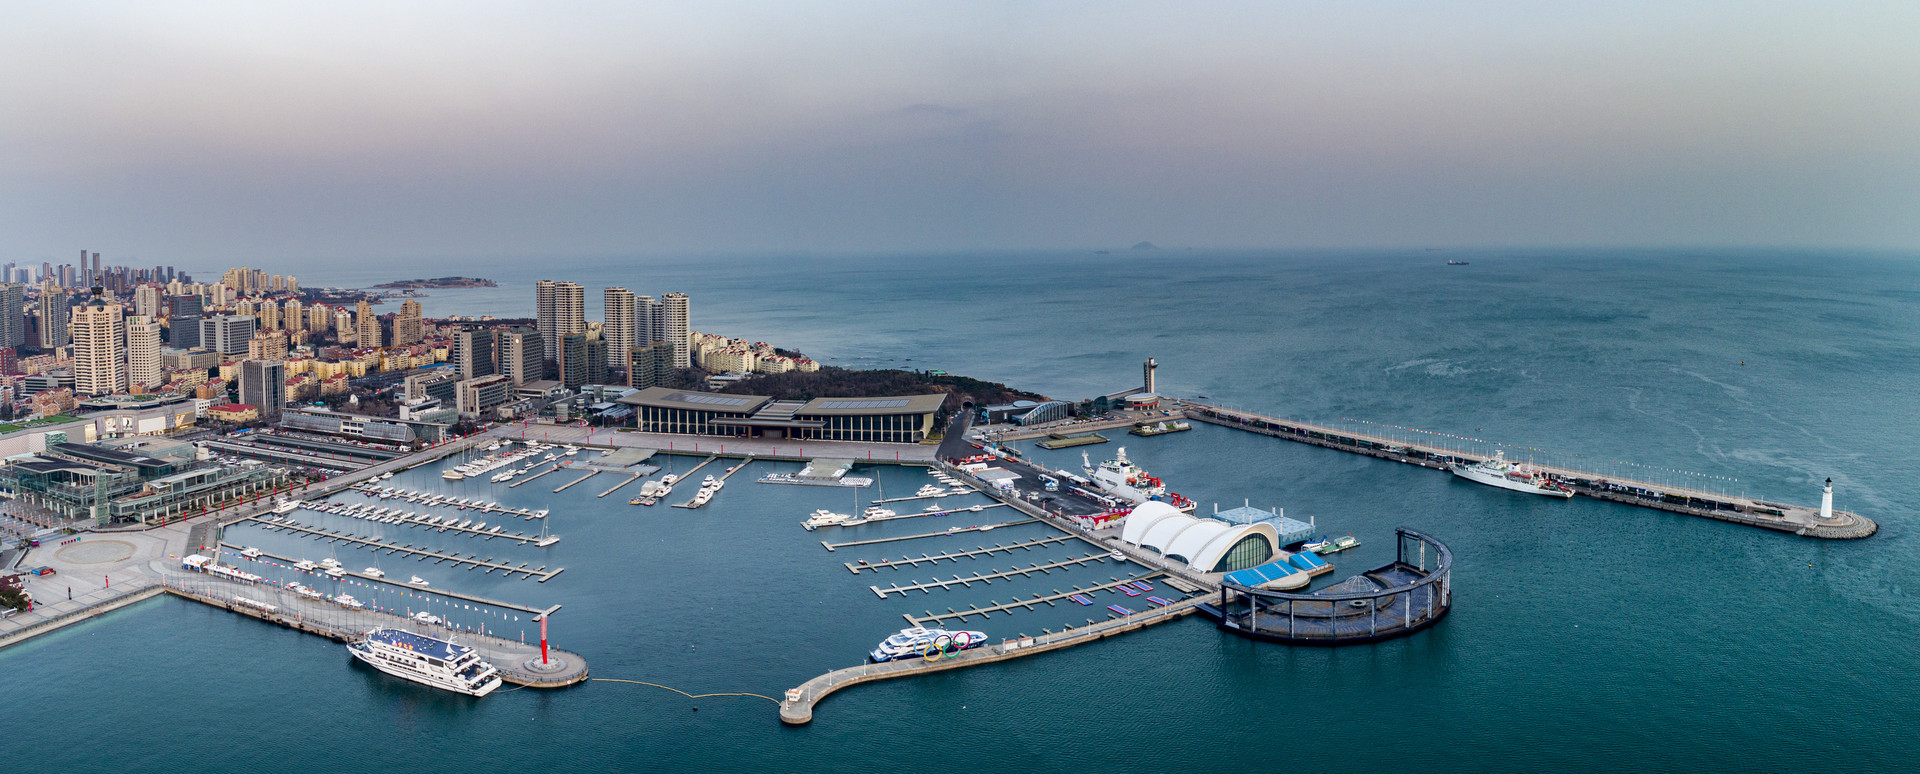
(438,282)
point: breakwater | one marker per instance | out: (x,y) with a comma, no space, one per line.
(1800,520)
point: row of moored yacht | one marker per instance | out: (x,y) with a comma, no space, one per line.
(493,462)
(429,498)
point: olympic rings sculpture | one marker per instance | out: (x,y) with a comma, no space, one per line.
(953,643)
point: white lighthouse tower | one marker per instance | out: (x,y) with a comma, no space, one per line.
(1826,501)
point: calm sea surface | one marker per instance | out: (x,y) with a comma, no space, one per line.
(1585,635)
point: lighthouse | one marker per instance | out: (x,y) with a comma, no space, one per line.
(1147,370)
(1826,501)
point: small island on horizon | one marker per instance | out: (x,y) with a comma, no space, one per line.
(437,282)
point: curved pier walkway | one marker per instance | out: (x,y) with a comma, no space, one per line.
(797,707)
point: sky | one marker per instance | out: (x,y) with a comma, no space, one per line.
(202,132)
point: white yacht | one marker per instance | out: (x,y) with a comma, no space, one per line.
(916,641)
(250,552)
(453,475)
(286,506)
(427,661)
(373,572)
(824,518)
(1507,474)
(347,601)
(305,566)
(418,581)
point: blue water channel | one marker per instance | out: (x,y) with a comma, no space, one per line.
(1585,635)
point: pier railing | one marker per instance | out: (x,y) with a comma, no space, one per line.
(1405,596)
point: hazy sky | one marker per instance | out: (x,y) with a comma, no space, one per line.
(196,132)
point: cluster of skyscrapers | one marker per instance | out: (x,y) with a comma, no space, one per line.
(640,335)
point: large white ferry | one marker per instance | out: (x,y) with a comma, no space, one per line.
(427,660)
(1120,478)
(917,641)
(1507,474)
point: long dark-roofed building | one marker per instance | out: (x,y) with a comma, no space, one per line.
(901,419)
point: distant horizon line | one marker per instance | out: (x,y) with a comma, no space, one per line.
(1127,250)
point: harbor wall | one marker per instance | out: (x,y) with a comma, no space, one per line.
(1853,527)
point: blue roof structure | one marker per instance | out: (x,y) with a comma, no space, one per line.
(1291,531)
(1256,577)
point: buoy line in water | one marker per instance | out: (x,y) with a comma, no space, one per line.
(681,692)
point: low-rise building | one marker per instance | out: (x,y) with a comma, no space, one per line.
(233,412)
(132,483)
(897,419)
(329,422)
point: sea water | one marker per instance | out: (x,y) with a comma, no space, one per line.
(1585,635)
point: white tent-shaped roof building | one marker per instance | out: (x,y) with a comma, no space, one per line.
(1206,545)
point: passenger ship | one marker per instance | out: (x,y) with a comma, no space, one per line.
(427,661)
(1506,474)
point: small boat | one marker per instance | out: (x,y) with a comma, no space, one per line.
(305,566)
(427,618)
(347,601)
(373,572)
(634,501)
(977,508)
(453,475)
(648,501)
(419,581)
(494,531)
(250,552)
(1117,556)
(336,573)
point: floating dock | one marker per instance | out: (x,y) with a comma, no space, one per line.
(429,498)
(954,556)
(528,479)
(968,582)
(421,520)
(408,549)
(959,531)
(1066,441)
(569,484)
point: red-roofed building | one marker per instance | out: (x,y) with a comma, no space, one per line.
(233,412)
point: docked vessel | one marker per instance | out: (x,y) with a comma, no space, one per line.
(286,506)
(916,641)
(824,518)
(1120,478)
(1507,474)
(1325,546)
(1162,428)
(427,661)
(453,475)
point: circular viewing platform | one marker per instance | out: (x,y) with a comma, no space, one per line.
(1408,595)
